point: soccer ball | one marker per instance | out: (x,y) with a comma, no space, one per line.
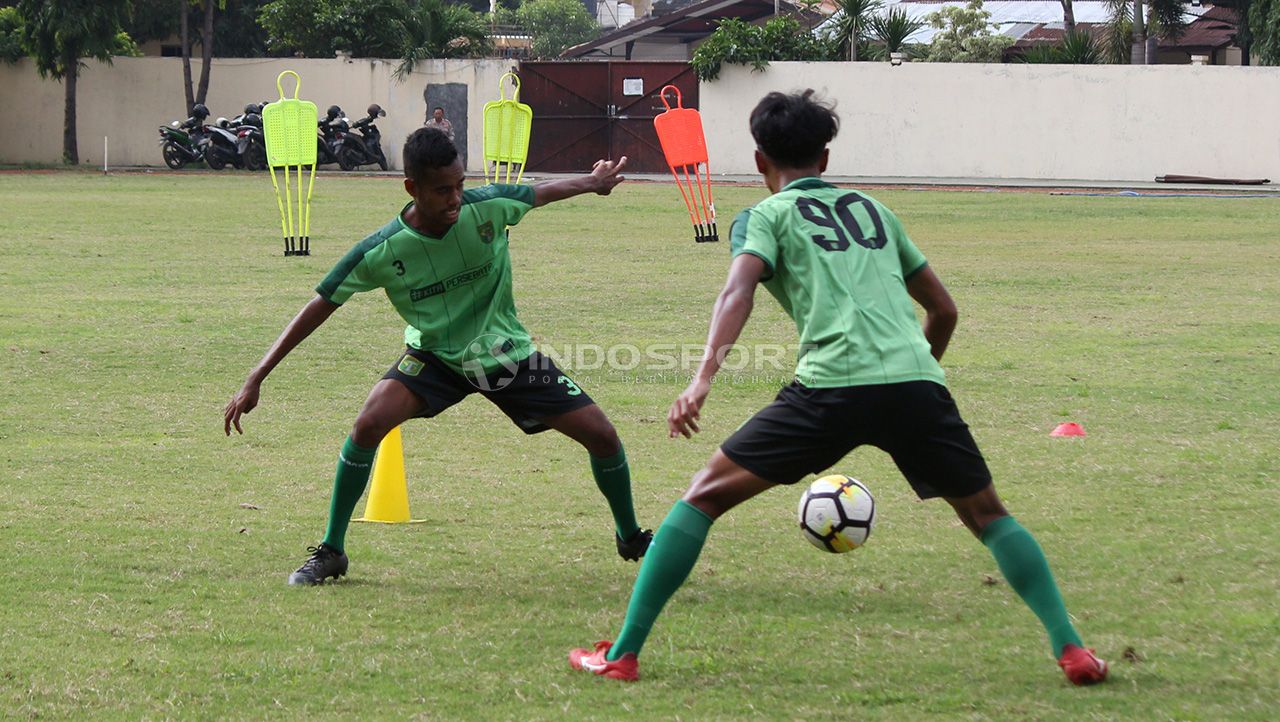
(836,513)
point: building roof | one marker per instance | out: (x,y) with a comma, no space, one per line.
(1029,21)
(1016,18)
(1213,30)
(679,22)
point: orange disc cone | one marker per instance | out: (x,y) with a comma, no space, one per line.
(1069,428)
(389,495)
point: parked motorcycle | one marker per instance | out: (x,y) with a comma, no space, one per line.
(362,145)
(223,149)
(184,142)
(251,144)
(326,137)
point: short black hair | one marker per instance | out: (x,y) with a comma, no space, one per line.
(437,108)
(793,128)
(427,149)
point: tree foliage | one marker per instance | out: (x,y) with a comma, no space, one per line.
(850,27)
(239,35)
(1117,35)
(968,36)
(556,25)
(741,43)
(439,30)
(320,28)
(11,50)
(414,31)
(1264,27)
(1078,47)
(891,31)
(60,34)
(152,20)
(1142,22)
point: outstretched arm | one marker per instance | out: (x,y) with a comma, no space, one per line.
(939,310)
(308,319)
(602,179)
(728,317)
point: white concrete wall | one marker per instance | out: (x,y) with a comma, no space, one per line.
(129,99)
(1110,122)
(916,120)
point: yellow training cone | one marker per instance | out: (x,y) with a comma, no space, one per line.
(389,497)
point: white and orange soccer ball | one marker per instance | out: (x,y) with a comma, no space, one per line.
(837,513)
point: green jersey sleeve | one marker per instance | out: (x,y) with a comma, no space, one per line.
(504,204)
(910,257)
(351,274)
(751,233)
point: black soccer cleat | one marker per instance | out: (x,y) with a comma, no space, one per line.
(325,562)
(635,547)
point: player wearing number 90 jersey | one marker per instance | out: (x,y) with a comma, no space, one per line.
(839,262)
(845,271)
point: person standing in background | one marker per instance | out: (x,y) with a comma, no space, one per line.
(437,120)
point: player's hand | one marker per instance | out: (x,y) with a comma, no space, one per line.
(607,174)
(682,419)
(242,403)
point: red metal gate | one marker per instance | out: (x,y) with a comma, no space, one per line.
(585,111)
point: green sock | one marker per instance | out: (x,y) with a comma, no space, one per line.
(613,478)
(666,565)
(1023,565)
(354,464)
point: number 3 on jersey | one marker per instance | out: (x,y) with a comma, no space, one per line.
(842,222)
(573,388)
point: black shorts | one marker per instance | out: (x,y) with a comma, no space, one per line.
(808,430)
(532,391)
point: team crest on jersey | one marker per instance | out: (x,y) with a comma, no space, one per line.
(485,231)
(410,366)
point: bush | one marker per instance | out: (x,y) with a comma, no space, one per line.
(1077,48)
(741,43)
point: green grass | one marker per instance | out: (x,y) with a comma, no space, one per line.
(138,586)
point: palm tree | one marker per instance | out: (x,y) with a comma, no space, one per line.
(1068,16)
(893,28)
(1158,19)
(1117,37)
(850,28)
(439,30)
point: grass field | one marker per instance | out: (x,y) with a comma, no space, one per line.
(139,585)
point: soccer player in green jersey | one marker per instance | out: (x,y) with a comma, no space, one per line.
(443,263)
(843,268)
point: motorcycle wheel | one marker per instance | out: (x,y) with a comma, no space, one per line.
(348,159)
(173,156)
(215,159)
(382,159)
(255,156)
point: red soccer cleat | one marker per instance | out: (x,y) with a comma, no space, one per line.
(626,669)
(1081,666)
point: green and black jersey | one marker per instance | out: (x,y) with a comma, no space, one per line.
(838,262)
(452,291)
